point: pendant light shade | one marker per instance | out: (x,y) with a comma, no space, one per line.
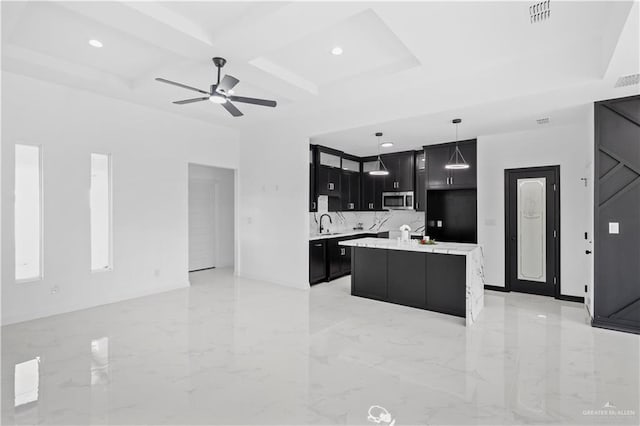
(381,169)
(457,161)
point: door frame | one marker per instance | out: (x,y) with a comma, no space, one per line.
(507,222)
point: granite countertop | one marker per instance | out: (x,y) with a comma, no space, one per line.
(392,244)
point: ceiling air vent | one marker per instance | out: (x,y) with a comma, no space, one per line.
(540,11)
(628,80)
(543,120)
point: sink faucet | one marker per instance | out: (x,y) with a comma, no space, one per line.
(322,217)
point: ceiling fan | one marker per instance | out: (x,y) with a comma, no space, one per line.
(221,92)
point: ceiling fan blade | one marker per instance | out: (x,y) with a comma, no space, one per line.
(188,101)
(184,86)
(232,109)
(228,82)
(263,102)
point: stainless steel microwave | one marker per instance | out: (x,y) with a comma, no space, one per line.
(397,200)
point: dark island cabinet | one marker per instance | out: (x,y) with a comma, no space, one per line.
(369,273)
(401,171)
(407,275)
(439,177)
(446,283)
(317,261)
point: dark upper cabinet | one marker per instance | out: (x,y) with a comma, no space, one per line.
(372,187)
(329,180)
(350,194)
(401,171)
(437,157)
(317,261)
(350,185)
(313,195)
(465,178)
(421,182)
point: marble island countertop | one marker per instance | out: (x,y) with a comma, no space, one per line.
(412,245)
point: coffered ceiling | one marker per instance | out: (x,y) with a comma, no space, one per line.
(400,59)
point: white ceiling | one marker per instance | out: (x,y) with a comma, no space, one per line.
(407,67)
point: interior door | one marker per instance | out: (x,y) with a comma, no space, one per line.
(201,224)
(532,227)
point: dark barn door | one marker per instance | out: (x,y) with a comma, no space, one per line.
(617,214)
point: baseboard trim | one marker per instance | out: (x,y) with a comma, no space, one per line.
(568,298)
(615,326)
(495,288)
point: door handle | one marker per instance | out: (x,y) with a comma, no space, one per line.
(587,252)
(318,245)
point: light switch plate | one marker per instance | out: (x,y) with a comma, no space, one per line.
(439,224)
(614,228)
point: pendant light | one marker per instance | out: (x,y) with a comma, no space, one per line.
(381,169)
(457,161)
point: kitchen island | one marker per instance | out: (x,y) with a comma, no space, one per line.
(445,277)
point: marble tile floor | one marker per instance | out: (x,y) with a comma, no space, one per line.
(234,351)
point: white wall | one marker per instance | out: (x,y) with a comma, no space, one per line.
(569,146)
(224,210)
(151,151)
(273,205)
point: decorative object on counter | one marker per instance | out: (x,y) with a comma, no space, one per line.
(457,160)
(426,241)
(404,236)
(381,169)
(359,226)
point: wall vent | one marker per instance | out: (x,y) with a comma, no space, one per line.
(540,11)
(543,120)
(628,80)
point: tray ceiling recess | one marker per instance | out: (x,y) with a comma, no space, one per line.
(369,48)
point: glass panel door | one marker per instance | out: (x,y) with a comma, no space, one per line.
(532,223)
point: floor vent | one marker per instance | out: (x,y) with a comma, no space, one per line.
(628,80)
(540,11)
(543,120)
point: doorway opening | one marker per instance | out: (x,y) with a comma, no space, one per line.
(211,217)
(532,230)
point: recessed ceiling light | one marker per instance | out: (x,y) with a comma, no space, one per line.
(217,99)
(386,144)
(337,51)
(95,43)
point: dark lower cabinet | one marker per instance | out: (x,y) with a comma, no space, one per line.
(446,283)
(407,274)
(317,261)
(436,282)
(339,261)
(369,273)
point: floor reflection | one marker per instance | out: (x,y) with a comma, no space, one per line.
(234,351)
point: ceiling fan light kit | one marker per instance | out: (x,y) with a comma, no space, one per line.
(221,92)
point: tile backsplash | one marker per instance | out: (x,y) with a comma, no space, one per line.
(371,221)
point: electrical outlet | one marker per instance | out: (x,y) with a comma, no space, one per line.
(585,288)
